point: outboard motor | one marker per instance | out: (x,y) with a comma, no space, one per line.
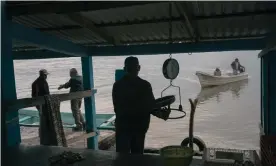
(242,69)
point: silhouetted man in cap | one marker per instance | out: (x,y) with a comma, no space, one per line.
(133,102)
(40,87)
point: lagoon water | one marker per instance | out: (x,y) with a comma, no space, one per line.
(226,116)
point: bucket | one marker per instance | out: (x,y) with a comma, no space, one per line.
(177,155)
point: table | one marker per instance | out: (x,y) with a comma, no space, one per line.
(38,155)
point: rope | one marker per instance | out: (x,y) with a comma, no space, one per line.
(170,29)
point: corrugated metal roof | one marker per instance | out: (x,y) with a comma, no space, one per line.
(43,20)
(128,14)
(244,26)
(157,31)
(205,8)
(149,23)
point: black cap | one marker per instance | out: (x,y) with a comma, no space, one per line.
(131,61)
(43,72)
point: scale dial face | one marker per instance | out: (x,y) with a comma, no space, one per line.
(170,69)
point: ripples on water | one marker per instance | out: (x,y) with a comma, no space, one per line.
(227,116)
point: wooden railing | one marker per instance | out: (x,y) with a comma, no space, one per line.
(15,105)
(30,102)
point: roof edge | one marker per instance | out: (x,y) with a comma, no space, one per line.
(267,50)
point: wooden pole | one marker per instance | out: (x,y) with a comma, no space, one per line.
(89,102)
(10,131)
(191,128)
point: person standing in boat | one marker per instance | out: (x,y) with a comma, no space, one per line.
(133,102)
(75,84)
(40,87)
(237,67)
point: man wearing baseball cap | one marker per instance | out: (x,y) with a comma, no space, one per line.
(133,102)
(40,87)
(75,84)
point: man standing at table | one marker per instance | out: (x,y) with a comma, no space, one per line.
(133,102)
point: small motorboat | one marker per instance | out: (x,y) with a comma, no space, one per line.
(208,80)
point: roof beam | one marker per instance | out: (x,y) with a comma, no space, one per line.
(190,23)
(85,23)
(151,49)
(37,54)
(46,41)
(180,40)
(154,41)
(26,48)
(61,28)
(67,7)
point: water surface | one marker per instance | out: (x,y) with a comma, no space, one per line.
(227,116)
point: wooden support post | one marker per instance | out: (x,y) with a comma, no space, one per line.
(264,95)
(89,102)
(11,131)
(268,104)
(268,90)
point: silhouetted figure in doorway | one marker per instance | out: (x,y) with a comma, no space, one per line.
(40,87)
(133,102)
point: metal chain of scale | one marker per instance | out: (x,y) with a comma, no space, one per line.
(170,30)
(173,66)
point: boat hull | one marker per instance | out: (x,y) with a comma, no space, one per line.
(30,118)
(211,92)
(208,80)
